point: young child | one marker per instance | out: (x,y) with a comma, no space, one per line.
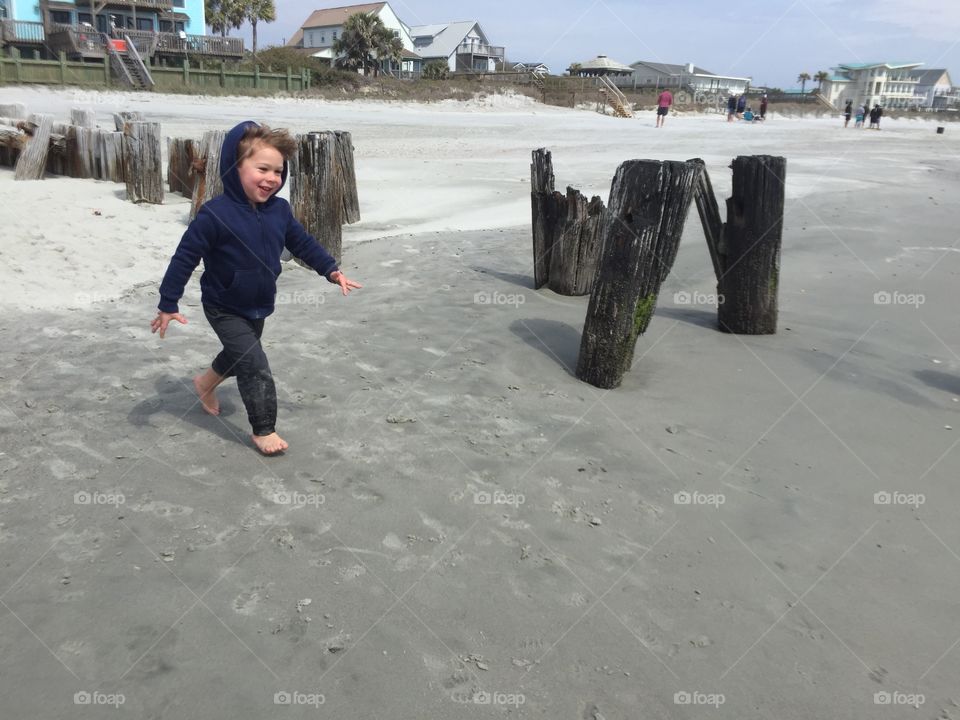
(239,236)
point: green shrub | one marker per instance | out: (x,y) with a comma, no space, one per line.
(436,70)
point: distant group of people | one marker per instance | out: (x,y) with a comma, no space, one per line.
(737,109)
(875,114)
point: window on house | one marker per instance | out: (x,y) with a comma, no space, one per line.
(323,39)
(179,3)
(85,18)
(61,16)
(334,34)
(166,26)
(179,27)
(145,24)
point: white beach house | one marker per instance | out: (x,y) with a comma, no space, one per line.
(324,27)
(889,84)
(464,46)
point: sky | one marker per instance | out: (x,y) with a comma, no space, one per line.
(770,41)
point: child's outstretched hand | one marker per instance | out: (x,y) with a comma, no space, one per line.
(345,283)
(163,319)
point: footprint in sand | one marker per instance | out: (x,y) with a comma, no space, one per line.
(246,602)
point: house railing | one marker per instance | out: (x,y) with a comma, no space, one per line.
(481,49)
(171,43)
(22,31)
(144,41)
(83,40)
(153,4)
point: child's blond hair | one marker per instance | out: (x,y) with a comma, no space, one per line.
(280,140)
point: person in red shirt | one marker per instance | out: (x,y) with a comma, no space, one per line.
(663,106)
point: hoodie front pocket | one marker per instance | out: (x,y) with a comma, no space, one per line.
(243,289)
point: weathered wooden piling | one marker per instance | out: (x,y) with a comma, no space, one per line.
(32,161)
(121,118)
(566,232)
(649,202)
(323,187)
(753,235)
(181,152)
(83,118)
(207,183)
(142,162)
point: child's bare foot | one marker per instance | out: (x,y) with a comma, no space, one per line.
(269,444)
(208,395)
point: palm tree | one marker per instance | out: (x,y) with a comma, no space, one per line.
(820,77)
(390,48)
(356,46)
(259,11)
(802,78)
(224,15)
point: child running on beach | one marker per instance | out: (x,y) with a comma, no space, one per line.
(240,236)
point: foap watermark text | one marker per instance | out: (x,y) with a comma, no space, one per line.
(499,298)
(698,498)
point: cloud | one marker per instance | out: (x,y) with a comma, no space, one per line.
(931,19)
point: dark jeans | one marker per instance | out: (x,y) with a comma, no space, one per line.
(242,356)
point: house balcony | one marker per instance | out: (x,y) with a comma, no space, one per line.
(204,45)
(158,5)
(22,32)
(481,50)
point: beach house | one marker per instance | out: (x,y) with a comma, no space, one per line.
(464,46)
(317,35)
(166,31)
(537,68)
(890,84)
(934,90)
(657,75)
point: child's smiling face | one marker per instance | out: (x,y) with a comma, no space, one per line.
(261,173)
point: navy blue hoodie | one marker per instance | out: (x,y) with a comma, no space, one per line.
(240,245)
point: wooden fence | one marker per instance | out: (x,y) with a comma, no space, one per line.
(15,69)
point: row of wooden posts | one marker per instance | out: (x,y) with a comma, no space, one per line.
(323,183)
(620,255)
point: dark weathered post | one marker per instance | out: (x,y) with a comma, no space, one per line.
(207,183)
(649,202)
(323,191)
(566,232)
(142,162)
(546,208)
(573,260)
(180,155)
(748,283)
(33,157)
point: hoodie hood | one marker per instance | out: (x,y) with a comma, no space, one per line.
(229,173)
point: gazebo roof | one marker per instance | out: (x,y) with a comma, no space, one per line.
(602,62)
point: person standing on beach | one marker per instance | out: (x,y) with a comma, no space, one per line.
(741,105)
(847,112)
(664,101)
(731,108)
(875,115)
(763,107)
(861,112)
(240,236)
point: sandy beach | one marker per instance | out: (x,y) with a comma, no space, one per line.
(750,527)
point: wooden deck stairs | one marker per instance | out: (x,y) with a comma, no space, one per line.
(610,95)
